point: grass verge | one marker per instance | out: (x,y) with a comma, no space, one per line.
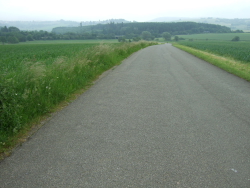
(31,87)
(230,65)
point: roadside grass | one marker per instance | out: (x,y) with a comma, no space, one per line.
(237,50)
(33,83)
(236,67)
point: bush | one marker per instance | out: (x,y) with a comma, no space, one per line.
(13,40)
(146,35)
(166,35)
(122,39)
(29,37)
(3,39)
(236,38)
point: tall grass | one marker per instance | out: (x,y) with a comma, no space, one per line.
(30,87)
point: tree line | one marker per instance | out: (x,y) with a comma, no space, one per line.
(121,31)
(135,29)
(14,35)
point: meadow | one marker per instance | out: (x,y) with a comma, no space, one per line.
(35,78)
(232,56)
(237,50)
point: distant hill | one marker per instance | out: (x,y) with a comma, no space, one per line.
(39,25)
(121,31)
(136,28)
(49,25)
(234,24)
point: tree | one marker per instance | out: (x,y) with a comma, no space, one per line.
(146,35)
(5,29)
(3,39)
(21,37)
(166,36)
(121,39)
(136,38)
(176,38)
(12,40)
(238,31)
(13,29)
(30,37)
(236,38)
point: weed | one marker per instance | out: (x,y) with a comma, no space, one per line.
(35,78)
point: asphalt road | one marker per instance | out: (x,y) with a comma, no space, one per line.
(163,118)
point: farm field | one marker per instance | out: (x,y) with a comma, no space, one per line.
(217,36)
(70,41)
(233,57)
(34,78)
(237,50)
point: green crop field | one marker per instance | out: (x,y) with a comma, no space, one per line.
(70,41)
(34,77)
(236,50)
(217,36)
(13,56)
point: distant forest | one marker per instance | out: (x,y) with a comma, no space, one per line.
(14,35)
(132,31)
(135,29)
(49,25)
(233,24)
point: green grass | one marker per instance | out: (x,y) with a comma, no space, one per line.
(34,78)
(217,36)
(236,67)
(237,50)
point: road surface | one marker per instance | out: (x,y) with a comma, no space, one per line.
(163,118)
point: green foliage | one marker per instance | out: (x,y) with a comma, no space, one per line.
(155,28)
(4,29)
(237,31)
(22,36)
(13,29)
(166,35)
(34,78)
(146,35)
(29,37)
(3,39)
(112,30)
(230,65)
(136,39)
(236,38)
(121,39)
(176,38)
(12,40)
(239,51)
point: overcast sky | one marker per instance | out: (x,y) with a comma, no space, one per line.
(86,10)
